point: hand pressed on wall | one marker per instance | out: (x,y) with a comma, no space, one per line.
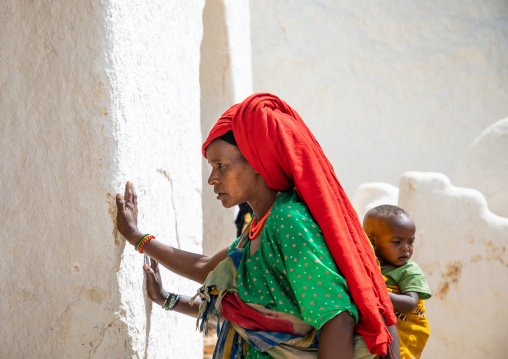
(154,283)
(127,214)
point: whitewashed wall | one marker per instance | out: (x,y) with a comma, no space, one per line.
(386,86)
(226,79)
(485,167)
(154,71)
(370,195)
(94,93)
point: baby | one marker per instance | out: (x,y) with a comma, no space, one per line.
(392,234)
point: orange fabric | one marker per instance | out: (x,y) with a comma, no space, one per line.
(279,146)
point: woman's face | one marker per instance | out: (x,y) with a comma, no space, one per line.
(233,178)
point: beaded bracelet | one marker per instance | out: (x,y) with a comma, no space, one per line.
(171,301)
(143,242)
(140,240)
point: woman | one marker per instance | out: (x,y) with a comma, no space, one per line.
(302,280)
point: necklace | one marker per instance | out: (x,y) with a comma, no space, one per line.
(256,227)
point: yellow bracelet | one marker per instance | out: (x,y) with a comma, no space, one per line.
(145,241)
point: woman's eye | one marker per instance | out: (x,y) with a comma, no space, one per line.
(220,165)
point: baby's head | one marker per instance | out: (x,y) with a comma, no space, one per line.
(391,232)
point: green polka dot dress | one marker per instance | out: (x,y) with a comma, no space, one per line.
(293,270)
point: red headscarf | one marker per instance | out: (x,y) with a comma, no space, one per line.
(279,146)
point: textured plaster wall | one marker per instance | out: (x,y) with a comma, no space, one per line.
(386,86)
(154,69)
(226,79)
(59,292)
(461,247)
(91,94)
(485,167)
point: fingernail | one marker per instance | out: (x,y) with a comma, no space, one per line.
(145,266)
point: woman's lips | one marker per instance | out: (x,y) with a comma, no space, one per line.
(220,195)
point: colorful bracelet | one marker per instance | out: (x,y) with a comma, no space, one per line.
(171,301)
(139,241)
(145,240)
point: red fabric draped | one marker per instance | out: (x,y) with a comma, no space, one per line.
(236,311)
(279,146)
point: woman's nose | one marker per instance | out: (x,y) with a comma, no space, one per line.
(212,180)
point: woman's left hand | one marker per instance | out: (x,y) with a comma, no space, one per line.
(127,214)
(154,284)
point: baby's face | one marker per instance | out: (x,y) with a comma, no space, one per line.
(394,241)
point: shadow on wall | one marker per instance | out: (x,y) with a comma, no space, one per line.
(217,95)
(225,79)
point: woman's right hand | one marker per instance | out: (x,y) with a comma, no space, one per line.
(127,214)
(154,283)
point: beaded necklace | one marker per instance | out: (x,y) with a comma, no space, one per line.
(256,227)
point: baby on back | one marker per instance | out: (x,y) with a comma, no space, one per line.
(392,234)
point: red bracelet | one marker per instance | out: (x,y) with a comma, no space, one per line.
(145,241)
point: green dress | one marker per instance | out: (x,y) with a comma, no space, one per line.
(293,270)
(409,278)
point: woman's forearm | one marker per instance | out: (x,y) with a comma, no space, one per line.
(190,265)
(336,338)
(184,307)
(187,264)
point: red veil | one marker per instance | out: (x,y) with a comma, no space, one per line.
(279,146)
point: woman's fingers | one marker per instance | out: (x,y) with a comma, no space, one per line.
(151,276)
(131,199)
(148,270)
(126,195)
(129,192)
(152,269)
(154,284)
(134,196)
(155,267)
(130,195)
(127,215)
(154,264)
(120,203)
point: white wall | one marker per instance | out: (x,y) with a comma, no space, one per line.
(485,167)
(93,94)
(386,86)
(370,195)
(461,247)
(154,70)
(226,79)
